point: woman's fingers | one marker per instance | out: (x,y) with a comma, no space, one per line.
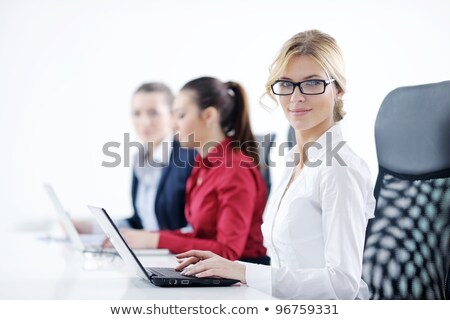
(106,243)
(212,268)
(216,267)
(185,262)
(185,254)
(211,273)
(194,269)
(196,253)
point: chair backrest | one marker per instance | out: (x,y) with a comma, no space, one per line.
(265,143)
(407,250)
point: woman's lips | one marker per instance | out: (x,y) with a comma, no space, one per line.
(299,111)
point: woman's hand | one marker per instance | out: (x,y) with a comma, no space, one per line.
(207,264)
(83,226)
(137,239)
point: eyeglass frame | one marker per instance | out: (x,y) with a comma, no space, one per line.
(298,84)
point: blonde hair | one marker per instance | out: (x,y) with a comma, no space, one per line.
(324,50)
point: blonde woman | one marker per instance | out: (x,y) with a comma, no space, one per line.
(315,221)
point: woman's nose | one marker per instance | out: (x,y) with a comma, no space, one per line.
(297,95)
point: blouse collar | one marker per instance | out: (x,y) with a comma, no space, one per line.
(324,143)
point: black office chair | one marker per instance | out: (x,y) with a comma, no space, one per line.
(265,143)
(407,251)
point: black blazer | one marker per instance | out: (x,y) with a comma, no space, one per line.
(171,193)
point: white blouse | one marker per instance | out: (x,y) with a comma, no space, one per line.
(149,177)
(315,233)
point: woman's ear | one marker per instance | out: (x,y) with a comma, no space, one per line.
(339,93)
(210,116)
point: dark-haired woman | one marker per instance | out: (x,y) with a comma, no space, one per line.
(225,194)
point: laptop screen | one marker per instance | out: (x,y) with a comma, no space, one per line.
(114,236)
(65,219)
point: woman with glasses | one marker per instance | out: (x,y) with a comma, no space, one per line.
(225,194)
(315,221)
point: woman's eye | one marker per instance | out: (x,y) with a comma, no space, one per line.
(179,115)
(152,113)
(286,84)
(313,83)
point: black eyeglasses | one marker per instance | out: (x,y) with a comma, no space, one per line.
(307,87)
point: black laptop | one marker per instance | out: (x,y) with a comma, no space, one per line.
(164,277)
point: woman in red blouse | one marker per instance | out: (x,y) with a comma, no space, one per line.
(225,194)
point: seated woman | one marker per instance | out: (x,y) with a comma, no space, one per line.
(225,194)
(160,169)
(316,219)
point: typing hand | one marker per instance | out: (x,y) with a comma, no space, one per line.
(207,264)
(83,226)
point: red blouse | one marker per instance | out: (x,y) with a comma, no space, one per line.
(225,200)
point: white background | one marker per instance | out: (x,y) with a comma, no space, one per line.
(68,69)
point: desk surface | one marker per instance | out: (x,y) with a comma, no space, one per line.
(38,269)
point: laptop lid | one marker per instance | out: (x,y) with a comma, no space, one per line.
(65,219)
(119,243)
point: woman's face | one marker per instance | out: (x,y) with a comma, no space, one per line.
(151,116)
(189,123)
(305,112)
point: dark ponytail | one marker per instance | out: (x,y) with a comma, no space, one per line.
(240,121)
(230,100)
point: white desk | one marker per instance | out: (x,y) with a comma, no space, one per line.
(36,269)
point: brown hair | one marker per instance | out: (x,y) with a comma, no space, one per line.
(160,87)
(230,100)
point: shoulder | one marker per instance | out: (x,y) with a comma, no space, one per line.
(238,169)
(184,152)
(345,169)
(182,157)
(239,162)
(348,184)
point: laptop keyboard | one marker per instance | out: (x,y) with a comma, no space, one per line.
(166,272)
